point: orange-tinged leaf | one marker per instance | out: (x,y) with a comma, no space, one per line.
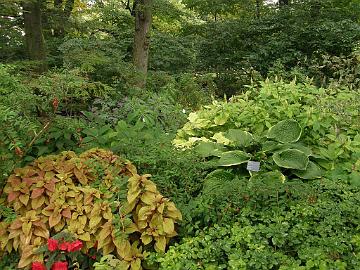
(54,219)
(131,228)
(160,243)
(14,181)
(37,192)
(58,227)
(84,237)
(13,195)
(66,213)
(146,239)
(135,264)
(26,227)
(123,247)
(104,242)
(80,176)
(104,233)
(16,224)
(41,233)
(148,197)
(150,186)
(24,199)
(9,247)
(94,221)
(16,243)
(107,214)
(144,212)
(82,219)
(26,257)
(14,233)
(38,202)
(29,181)
(132,196)
(168,225)
(108,249)
(50,186)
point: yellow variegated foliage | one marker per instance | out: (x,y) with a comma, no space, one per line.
(56,193)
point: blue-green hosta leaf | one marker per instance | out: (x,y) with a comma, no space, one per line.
(286,131)
(239,137)
(291,159)
(232,158)
(216,181)
(312,171)
(208,149)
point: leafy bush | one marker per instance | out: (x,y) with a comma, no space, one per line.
(299,226)
(86,195)
(17,122)
(178,174)
(329,133)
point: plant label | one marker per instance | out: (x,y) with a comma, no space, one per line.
(253,166)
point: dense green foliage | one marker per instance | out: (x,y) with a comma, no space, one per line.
(247,119)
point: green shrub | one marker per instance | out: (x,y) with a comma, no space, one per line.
(326,119)
(305,226)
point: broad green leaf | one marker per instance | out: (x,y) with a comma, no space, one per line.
(291,159)
(232,158)
(312,171)
(285,131)
(239,137)
(208,149)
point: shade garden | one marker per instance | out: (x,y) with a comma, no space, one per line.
(297,210)
(179,135)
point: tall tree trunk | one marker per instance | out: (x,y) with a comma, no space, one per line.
(257,9)
(143,18)
(62,14)
(34,38)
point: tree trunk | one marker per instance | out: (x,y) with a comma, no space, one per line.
(61,16)
(257,9)
(143,18)
(34,38)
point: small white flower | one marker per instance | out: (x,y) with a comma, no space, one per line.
(183,111)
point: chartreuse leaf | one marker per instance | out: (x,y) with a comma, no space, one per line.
(285,131)
(268,177)
(291,159)
(221,119)
(239,137)
(232,158)
(312,171)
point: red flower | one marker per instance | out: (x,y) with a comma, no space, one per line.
(64,246)
(37,266)
(75,246)
(52,244)
(60,266)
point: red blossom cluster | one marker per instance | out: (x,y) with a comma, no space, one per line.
(54,245)
(55,266)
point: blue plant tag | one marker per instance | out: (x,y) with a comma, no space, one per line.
(253,166)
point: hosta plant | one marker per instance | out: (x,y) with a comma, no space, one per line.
(97,197)
(300,127)
(280,150)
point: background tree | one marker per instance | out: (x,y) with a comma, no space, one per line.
(34,38)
